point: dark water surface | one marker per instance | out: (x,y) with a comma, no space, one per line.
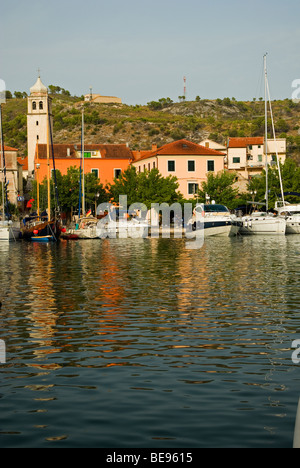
(142,343)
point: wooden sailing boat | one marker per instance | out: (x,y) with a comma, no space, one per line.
(264,222)
(43,228)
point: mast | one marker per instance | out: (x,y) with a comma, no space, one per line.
(266,132)
(83,183)
(48,164)
(2,164)
(37,180)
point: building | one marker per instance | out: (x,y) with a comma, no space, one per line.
(107,162)
(97,98)
(14,174)
(213,145)
(187,161)
(246,156)
(39,105)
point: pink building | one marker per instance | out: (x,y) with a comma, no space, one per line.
(187,161)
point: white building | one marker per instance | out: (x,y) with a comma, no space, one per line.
(39,104)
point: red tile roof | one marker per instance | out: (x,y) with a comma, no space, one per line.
(24,163)
(184,148)
(107,151)
(8,148)
(244,142)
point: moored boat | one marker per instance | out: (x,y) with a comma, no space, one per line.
(215,219)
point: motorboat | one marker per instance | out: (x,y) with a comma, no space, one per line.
(262,223)
(291,214)
(113,227)
(9,231)
(216,221)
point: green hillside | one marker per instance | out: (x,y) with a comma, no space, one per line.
(158,122)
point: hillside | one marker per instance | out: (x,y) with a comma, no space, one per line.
(159,122)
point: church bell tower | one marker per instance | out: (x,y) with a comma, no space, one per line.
(39,115)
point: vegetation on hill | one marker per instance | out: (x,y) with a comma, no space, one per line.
(159,122)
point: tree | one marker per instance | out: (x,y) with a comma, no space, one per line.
(68,191)
(146,187)
(219,187)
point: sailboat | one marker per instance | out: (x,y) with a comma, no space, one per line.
(291,213)
(264,222)
(43,228)
(87,224)
(9,231)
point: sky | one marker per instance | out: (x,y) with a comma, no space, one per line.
(140,50)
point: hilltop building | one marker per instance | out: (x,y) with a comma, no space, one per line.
(97,98)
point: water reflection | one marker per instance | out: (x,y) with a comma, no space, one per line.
(193,325)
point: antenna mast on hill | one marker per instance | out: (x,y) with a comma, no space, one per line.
(184,89)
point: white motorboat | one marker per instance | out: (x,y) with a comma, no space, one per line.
(291,214)
(113,227)
(216,221)
(9,231)
(260,223)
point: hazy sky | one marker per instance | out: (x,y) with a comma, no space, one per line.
(140,50)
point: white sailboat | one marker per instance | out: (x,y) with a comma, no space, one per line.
(265,223)
(291,213)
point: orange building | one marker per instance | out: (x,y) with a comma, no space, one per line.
(105,161)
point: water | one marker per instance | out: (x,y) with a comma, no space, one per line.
(142,343)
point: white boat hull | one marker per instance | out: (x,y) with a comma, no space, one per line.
(263,226)
(122,230)
(9,233)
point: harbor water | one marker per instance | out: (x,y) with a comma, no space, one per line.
(145,344)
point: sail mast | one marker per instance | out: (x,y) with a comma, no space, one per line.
(266,132)
(83,182)
(48,164)
(2,163)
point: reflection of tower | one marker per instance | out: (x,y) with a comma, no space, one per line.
(37,120)
(184,89)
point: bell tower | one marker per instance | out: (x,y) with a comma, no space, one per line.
(39,108)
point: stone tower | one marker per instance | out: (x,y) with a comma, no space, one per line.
(39,106)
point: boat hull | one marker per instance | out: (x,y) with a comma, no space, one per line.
(9,233)
(43,239)
(263,226)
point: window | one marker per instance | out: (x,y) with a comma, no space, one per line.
(210,166)
(34,105)
(96,172)
(87,154)
(171,166)
(37,122)
(191,166)
(154,165)
(193,188)
(149,167)
(41,105)
(260,158)
(118,173)
(236,160)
